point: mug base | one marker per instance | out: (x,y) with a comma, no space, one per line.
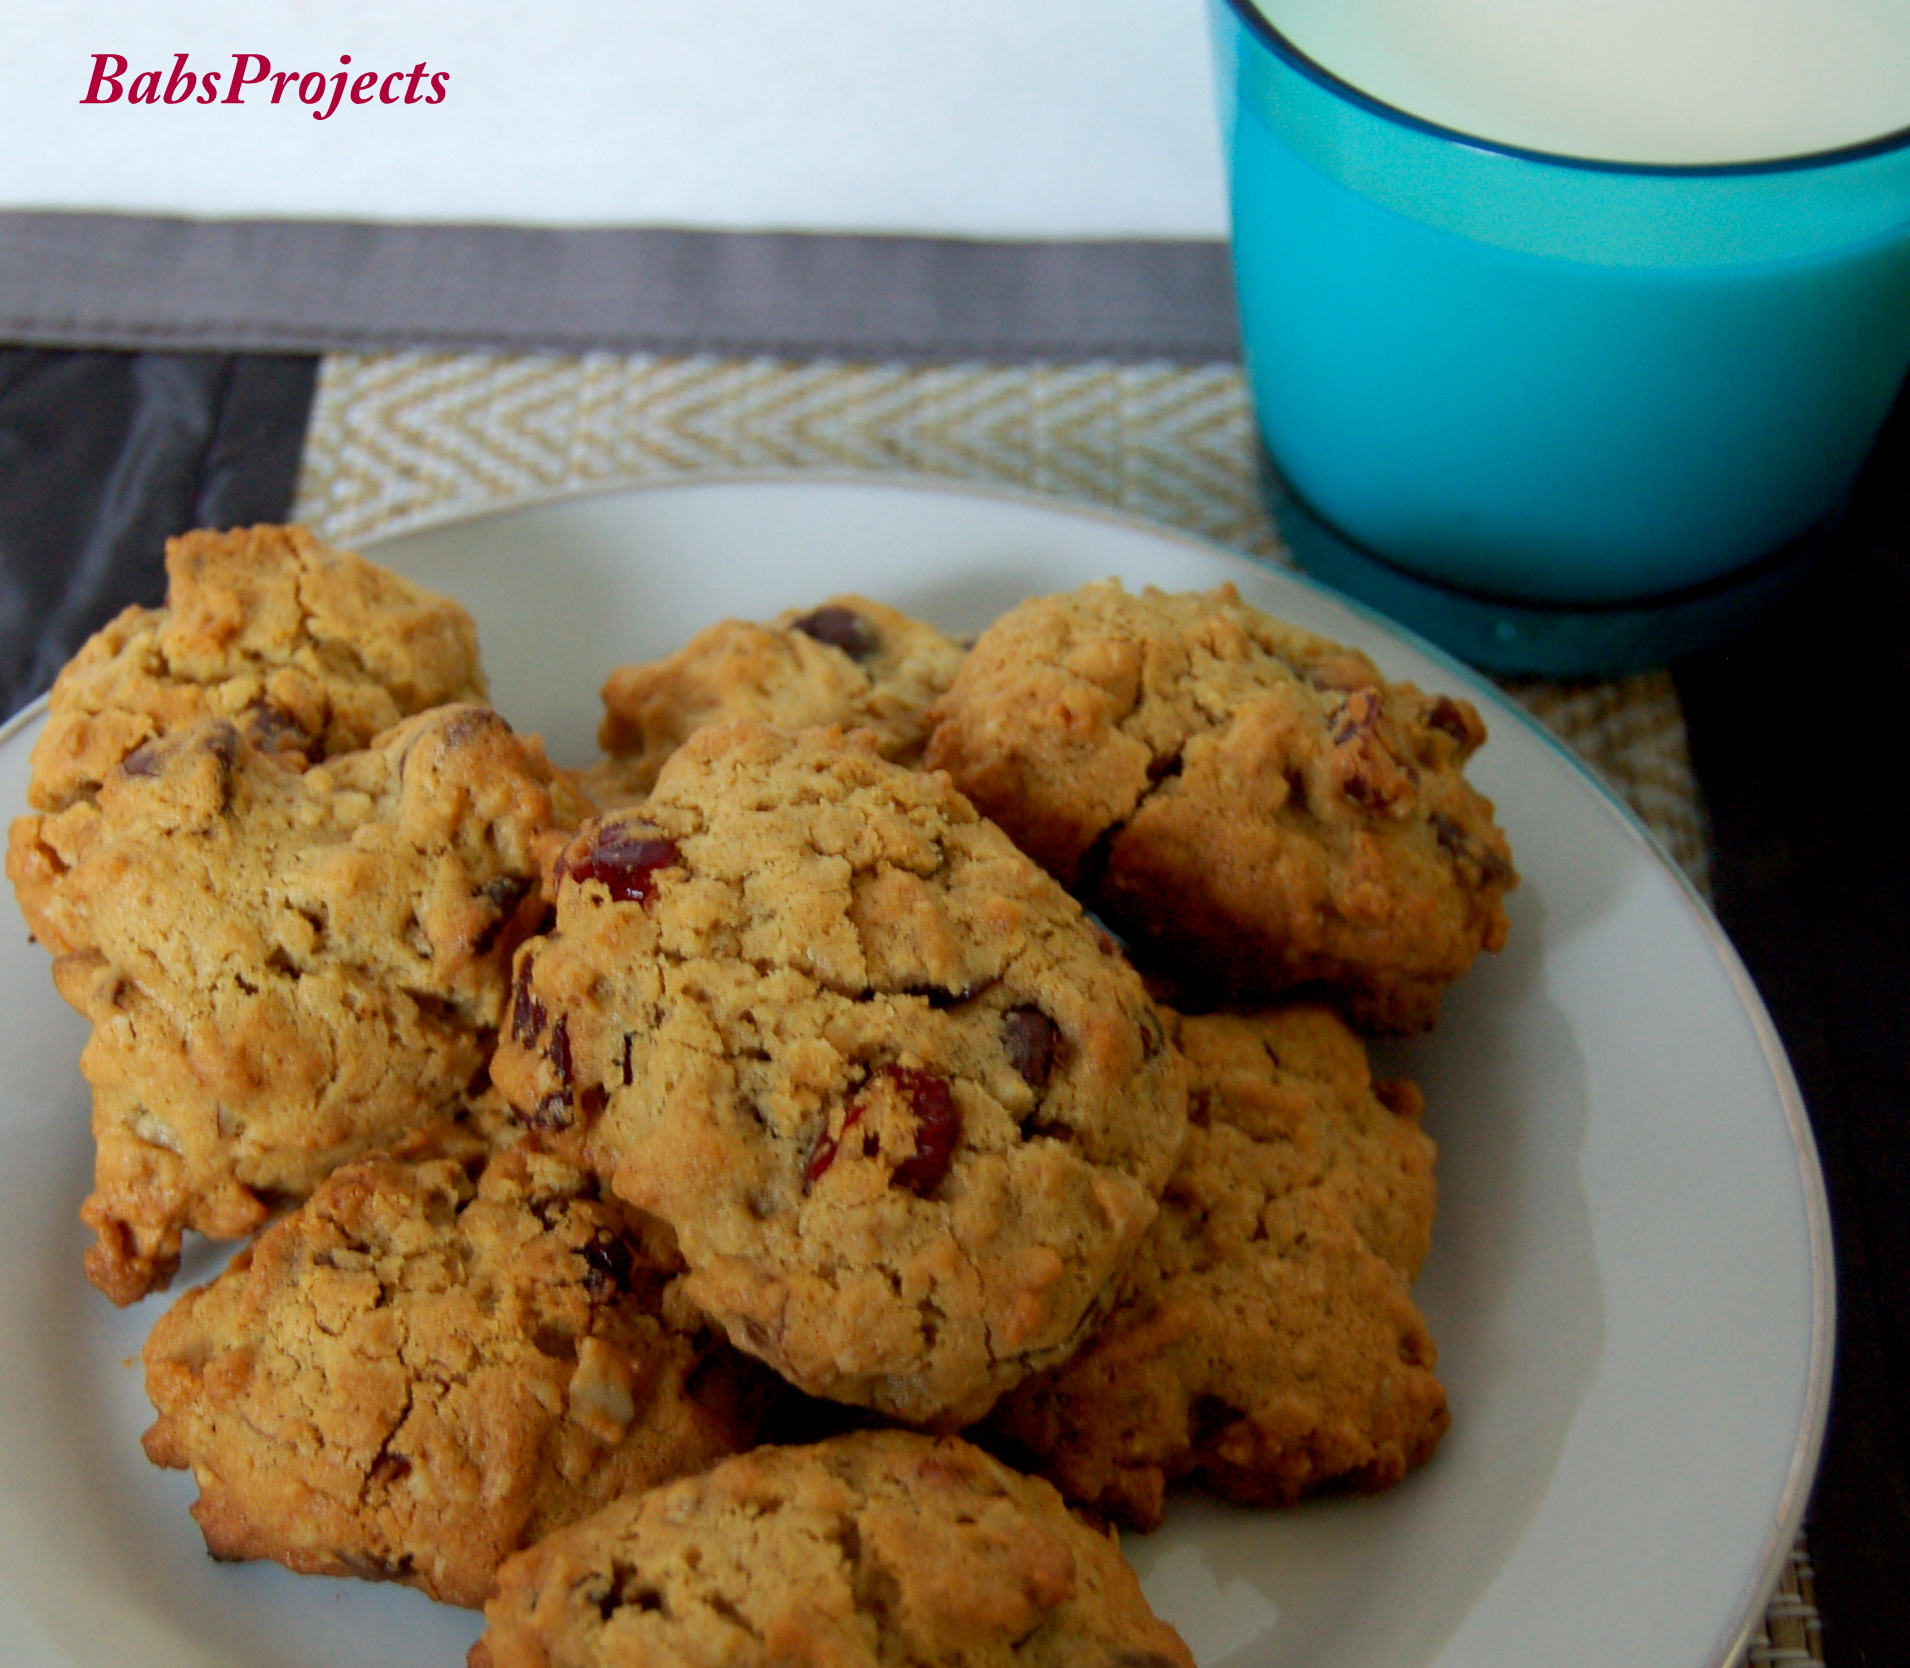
(1545,639)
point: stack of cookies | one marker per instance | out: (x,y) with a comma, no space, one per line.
(622,1122)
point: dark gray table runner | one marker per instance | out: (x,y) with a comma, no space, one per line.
(103,457)
(122,281)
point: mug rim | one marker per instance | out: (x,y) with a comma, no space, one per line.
(1262,28)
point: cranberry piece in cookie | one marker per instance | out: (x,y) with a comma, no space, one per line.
(625,859)
(938,1127)
(1031,1040)
(931,1126)
(841,628)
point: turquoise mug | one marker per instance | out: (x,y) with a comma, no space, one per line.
(1560,415)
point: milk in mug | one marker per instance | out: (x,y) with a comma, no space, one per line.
(1664,81)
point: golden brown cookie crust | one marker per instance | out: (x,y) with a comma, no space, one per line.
(849,661)
(1264,1339)
(906,1113)
(1255,806)
(867,1551)
(414,1375)
(309,651)
(284,969)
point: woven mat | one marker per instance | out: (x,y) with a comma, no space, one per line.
(400,438)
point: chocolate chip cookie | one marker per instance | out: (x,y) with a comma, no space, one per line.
(413,1375)
(284,968)
(875,1549)
(851,662)
(1255,807)
(907,1112)
(306,650)
(1264,1340)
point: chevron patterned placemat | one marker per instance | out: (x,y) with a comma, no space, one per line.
(402,438)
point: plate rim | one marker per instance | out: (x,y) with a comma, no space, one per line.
(1788,1516)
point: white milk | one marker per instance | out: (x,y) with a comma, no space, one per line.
(1625,80)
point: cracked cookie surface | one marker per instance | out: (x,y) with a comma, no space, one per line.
(907,1115)
(1252,804)
(1264,1339)
(870,1551)
(850,661)
(307,650)
(414,1375)
(284,969)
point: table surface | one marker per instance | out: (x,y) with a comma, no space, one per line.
(1769,821)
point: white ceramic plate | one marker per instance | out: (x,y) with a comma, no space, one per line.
(1630,1285)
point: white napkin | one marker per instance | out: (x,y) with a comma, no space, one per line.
(991,118)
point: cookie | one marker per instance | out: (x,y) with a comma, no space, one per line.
(1255,807)
(876,1549)
(284,969)
(851,662)
(308,651)
(907,1114)
(412,1375)
(1264,1340)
